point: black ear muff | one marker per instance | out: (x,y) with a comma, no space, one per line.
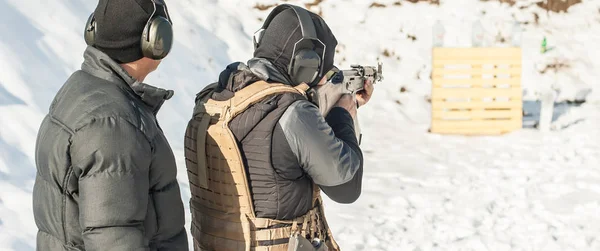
(157,38)
(306,63)
(89,34)
(304,66)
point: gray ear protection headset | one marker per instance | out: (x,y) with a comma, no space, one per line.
(156,39)
(306,65)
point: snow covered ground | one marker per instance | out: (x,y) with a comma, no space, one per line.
(527,190)
(523,191)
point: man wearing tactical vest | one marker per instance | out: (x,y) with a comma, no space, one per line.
(258,152)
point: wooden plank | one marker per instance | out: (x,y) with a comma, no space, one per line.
(476,53)
(476,82)
(440,72)
(473,64)
(475,93)
(477,104)
(477,114)
(446,125)
(513,62)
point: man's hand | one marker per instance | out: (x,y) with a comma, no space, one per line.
(363,96)
(349,103)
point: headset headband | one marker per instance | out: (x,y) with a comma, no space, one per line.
(165,9)
(306,24)
(154,3)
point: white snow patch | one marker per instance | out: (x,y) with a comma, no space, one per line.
(523,191)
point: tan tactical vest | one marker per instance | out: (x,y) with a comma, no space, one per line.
(223,216)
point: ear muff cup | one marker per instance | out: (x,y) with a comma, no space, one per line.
(89,34)
(156,41)
(305,66)
(157,38)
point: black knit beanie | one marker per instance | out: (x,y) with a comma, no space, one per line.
(277,43)
(119,27)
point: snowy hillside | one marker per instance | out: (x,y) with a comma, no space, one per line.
(523,191)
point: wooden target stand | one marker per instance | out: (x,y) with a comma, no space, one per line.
(476,91)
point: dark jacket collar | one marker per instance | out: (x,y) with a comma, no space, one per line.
(267,71)
(238,75)
(100,65)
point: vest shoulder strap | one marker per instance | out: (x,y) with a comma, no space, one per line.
(250,95)
(258,91)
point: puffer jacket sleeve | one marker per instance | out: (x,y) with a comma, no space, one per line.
(327,149)
(113,158)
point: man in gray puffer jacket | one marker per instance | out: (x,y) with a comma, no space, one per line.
(106,175)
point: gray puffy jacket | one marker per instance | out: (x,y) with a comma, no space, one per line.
(106,175)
